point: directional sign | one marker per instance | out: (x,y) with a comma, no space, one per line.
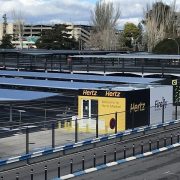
(174,82)
(176,92)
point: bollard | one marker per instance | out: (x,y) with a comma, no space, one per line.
(115,154)
(142,148)
(178,138)
(171,139)
(45,172)
(32,176)
(133,150)
(71,166)
(104,157)
(164,142)
(59,172)
(17,176)
(1,177)
(124,152)
(94,160)
(83,167)
(157,143)
(150,148)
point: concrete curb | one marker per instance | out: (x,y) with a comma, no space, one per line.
(83,143)
(104,166)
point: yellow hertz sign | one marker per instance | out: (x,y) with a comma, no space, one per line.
(174,82)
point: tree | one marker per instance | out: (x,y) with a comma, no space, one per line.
(131,34)
(57,38)
(104,19)
(160,23)
(6,42)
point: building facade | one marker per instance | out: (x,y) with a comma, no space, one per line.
(31,33)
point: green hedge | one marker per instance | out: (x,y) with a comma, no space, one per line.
(167,46)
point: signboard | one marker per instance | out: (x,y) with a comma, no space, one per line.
(102,93)
(137,105)
(176,92)
(161,96)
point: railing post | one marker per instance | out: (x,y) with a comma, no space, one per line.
(165,142)
(115,154)
(60,67)
(59,170)
(142,148)
(45,172)
(97,127)
(171,139)
(76,130)
(94,160)
(27,140)
(133,150)
(104,157)
(178,138)
(32,176)
(157,143)
(83,166)
(124,152)
(87,69)
(150,145)
(53,135)
(163,113)
(17,176)
(104,68)
(71,166)
(176,110)
(116,115)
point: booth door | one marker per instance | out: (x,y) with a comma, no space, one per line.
(90,108)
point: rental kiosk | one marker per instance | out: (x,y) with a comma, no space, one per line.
(130,105)
(135,106)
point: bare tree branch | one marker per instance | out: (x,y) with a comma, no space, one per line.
(19,23)
(104,19)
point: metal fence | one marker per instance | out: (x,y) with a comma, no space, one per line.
(95,159)
(33,128)
(60,63)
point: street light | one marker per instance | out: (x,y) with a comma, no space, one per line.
(176,44)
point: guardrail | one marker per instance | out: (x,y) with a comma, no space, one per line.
(69,147)
(114,163)
(129,154)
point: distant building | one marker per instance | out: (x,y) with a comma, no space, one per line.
(81,33)
(35,30)
(32,32)
(28,30)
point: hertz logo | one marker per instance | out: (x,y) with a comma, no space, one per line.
(112,94)
(89,93)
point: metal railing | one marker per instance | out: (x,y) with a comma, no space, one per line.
(36,132)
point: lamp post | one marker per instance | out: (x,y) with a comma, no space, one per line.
(176,44)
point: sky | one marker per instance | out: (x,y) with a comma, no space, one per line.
(72,11)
